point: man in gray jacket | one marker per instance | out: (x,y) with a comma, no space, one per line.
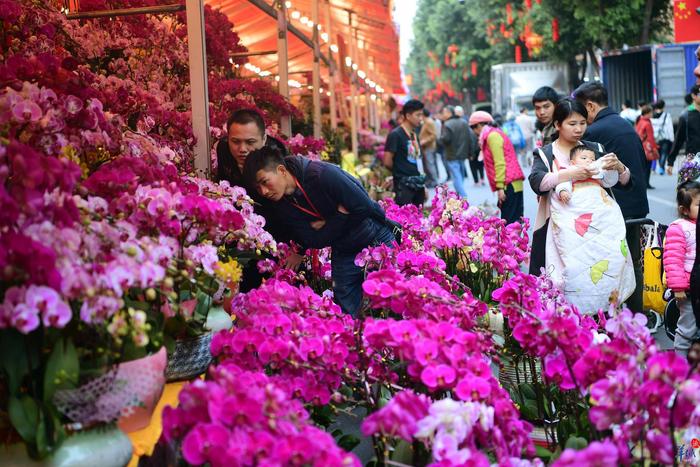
(458,140)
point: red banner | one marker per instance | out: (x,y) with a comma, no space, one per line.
(686,20)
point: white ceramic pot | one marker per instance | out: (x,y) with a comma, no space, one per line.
(104,446)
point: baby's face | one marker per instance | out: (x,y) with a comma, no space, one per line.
(583,158)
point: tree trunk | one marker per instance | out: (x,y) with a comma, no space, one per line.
(594,61)
(646,24)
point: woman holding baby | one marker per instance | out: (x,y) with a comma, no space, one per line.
(579,232)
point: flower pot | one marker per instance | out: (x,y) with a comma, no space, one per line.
(189,359)
(138,416)
(106,446)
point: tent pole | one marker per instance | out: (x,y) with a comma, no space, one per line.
(198,86)
(316,74)
(282,63)
(353,93)
(331,66)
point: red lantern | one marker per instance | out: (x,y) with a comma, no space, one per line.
(474,68)
(518,54)
(555,30)
(509,13)
(528,4)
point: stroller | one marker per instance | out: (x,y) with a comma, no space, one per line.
(652,239)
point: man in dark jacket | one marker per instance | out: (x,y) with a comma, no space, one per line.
(617,136)
(246,133)
(688,133)
(458,141)
(322,206)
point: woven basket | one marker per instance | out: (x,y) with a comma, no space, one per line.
(190,358)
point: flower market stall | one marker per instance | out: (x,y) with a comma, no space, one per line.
(120,272)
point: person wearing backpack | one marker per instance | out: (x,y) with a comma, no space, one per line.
(663,133)
(516,135)
(456,140)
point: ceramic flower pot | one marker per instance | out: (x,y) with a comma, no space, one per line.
(138,416)
(190,358)
(106,446)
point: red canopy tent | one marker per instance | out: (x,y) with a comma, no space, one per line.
(377,42)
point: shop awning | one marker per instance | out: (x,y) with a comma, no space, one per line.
(377,41)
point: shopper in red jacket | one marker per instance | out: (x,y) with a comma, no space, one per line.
(645,130)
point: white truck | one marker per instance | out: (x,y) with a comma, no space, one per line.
(513,84)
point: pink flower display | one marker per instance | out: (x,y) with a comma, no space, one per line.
(245,418)
(304,340)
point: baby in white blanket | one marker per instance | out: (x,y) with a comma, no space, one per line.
(581,156)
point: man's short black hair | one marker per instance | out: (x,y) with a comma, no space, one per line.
(695,90)
(246,116)
(411,106)
(627,103)
(545,93)
(660,104)
(426,112)
(266,158)
(688,99)
(593,91)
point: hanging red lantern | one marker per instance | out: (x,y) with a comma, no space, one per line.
(474,68)
(509,13)
(539,2)
(503,29)
(528,4)
(518,54)
(555,30)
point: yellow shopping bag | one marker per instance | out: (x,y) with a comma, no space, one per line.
(653,273)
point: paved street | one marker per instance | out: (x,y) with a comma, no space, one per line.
(662,206)
(662,200)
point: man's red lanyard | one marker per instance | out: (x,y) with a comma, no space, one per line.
(313,211)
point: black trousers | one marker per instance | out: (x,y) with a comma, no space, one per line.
(513,208)
(634,243)
(477,168)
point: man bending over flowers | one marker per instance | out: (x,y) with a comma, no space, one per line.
(322,206)
(246,133)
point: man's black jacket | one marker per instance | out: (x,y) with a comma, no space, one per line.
(618,136)
(328,187)
(688,134)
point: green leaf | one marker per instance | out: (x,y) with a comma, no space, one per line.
(348,442)
(529,410)
(62,369)
(13,358)
(42,442)
(203,305)
(576,442)
(24,415)
(528,391)
(403,453)
(543,453)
